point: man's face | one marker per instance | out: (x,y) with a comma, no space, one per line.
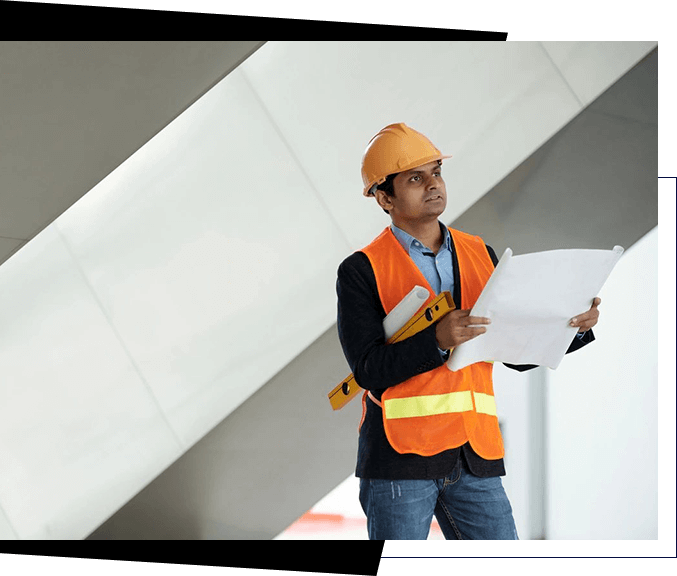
(420,194)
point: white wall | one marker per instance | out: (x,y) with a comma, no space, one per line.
(602,416)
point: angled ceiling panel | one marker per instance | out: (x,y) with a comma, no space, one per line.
(74,111)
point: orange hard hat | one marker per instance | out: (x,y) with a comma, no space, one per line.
(396,148)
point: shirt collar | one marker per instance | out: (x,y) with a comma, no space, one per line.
(406,239)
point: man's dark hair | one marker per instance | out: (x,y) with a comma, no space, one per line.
(388,187)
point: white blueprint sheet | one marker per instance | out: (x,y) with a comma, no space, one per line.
(530,300)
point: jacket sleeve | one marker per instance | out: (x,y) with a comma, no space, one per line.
(578,342)
(375,364)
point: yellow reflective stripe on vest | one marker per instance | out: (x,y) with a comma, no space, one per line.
(438,404)
(428,405)
(485,404)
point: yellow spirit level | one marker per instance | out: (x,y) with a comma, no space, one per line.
(438,308)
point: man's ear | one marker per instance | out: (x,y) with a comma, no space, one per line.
(383,200)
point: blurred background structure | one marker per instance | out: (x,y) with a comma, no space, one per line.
(172,215)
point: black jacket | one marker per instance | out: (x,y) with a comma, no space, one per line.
(377,366)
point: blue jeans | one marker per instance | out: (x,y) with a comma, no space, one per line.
(467,507)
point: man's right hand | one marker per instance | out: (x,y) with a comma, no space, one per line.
(456,328)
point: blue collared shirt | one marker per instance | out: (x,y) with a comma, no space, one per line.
(437,268)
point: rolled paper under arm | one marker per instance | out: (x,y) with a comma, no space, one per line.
(404,310)
(403,321)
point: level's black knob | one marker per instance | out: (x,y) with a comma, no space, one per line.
(345,388)
(429,314)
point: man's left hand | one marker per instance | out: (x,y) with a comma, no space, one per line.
(588,319)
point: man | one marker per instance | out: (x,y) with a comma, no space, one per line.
(429,441)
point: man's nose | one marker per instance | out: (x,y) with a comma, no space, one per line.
(431,183)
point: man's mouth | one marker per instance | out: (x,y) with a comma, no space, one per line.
(436,197)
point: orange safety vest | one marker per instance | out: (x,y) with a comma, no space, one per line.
(439,409)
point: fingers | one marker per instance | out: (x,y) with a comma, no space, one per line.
(472,332)
(458,327)
(465,334)
(588,319)
(584,321)
(475,321)
(468,327)
(464,319)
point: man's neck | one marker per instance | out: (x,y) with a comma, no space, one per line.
(428,233)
